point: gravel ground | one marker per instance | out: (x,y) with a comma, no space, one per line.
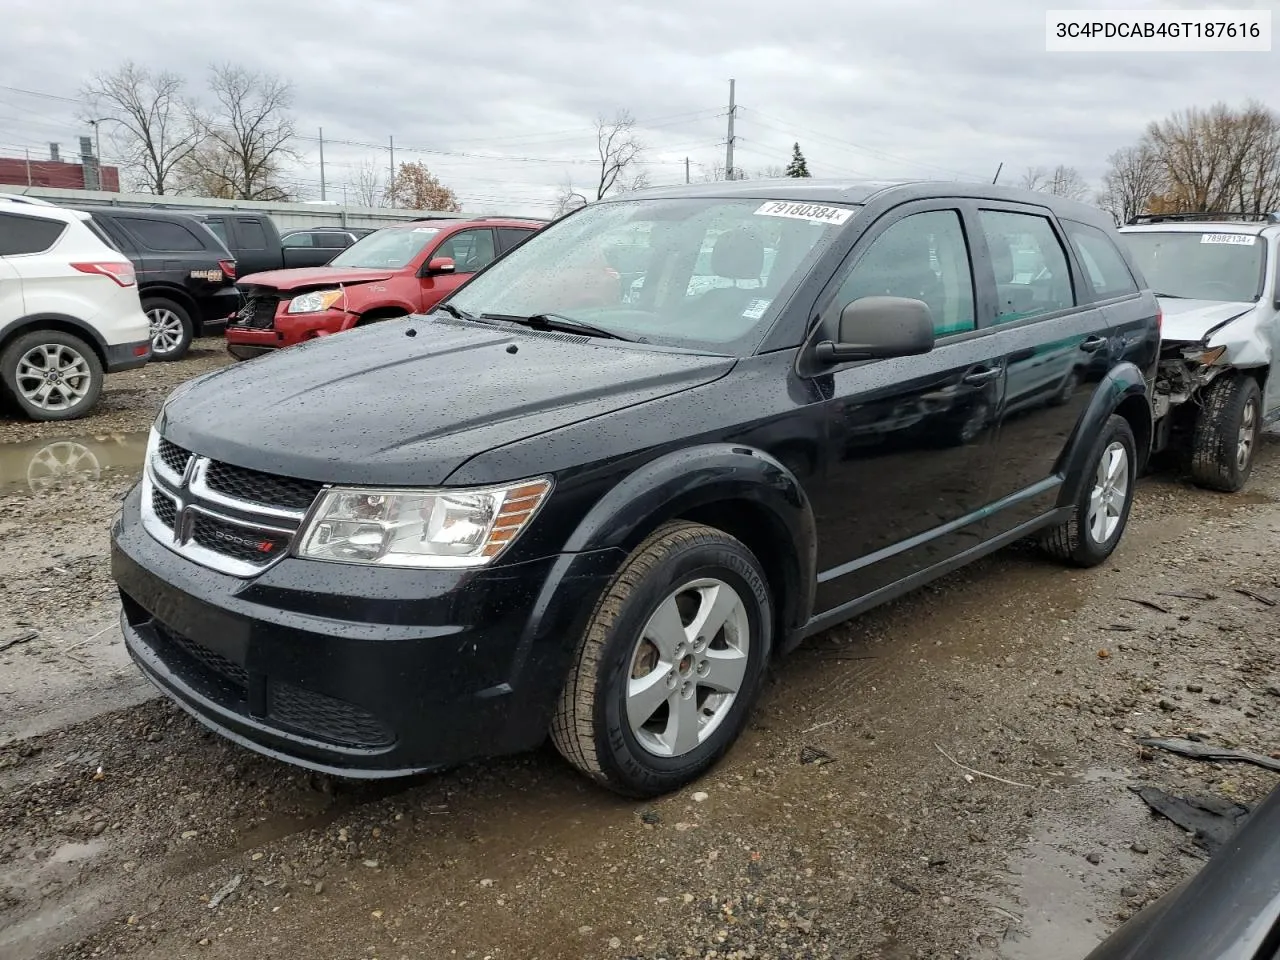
(842,825)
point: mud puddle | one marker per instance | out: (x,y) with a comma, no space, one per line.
(41,466)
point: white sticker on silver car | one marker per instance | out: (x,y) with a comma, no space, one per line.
(817,212)
(755,309)
(1244,239)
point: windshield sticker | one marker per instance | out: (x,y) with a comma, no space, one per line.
(1245,239)
(756,308)
(816,212)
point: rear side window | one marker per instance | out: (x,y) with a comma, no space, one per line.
(298,240)
(332,241)
(162,235)
(1103,264)
(252,236)
(508,237)
(24,235)
(1032,277)
(218,227)
(96,229)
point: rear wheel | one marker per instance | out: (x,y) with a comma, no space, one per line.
(51,375)
(171,328)
(1101,511)
(670,664)
(1226,433)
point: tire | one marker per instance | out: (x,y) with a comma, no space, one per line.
(171,328)
(1226,433)
(600,730)
(68,396)
(1087,539)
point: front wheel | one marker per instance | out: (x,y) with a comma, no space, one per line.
(51,375)
(670,663)
(1101,511)
(1226,434)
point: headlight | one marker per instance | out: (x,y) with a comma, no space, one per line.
(315,302)
(420,528)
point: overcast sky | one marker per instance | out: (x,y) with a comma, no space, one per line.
(498,97)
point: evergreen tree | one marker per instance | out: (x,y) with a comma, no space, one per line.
(798,167)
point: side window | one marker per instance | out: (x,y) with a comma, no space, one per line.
(298,240)
(332,240)
(924,256)
(252,236)
(1103,264)
(1030,265)
(509,237)
(22,235)
(96,229)
(218,227)
(161,235)
(470,250)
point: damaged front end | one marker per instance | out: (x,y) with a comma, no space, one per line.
(1185,369)
(1201,342)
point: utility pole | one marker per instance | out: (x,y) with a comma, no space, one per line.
(728,150)
(28,153)
(686,169)
(322,196)
(391,182)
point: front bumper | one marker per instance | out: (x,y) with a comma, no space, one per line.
(355,671)
(286,330)
(125,356)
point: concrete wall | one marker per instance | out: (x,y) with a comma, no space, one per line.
(287,216)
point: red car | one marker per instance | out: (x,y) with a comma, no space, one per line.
(399,270)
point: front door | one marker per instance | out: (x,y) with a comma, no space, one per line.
(470,250)
(910,441)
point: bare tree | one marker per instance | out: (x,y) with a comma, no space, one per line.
(247,135)
(368,188)
(618,150)
(152,129)
(417,188)
(717,172)
(568,199)
(1061,181)
(1133,179)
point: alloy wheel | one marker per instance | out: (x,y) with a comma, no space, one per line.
(53,376)
(1110,492)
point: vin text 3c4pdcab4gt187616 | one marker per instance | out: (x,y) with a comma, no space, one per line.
(614,476)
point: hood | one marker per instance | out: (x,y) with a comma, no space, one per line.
(376,405)
(313,277)
(1192,320)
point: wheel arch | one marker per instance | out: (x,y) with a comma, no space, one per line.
(178,295)
(740,490)
(1123,391)
(56,321)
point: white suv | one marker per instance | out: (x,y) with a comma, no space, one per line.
(69,310)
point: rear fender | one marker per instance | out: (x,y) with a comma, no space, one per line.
(1123,390)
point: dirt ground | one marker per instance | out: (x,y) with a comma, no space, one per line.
(843,824)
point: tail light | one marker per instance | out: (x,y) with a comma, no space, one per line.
(121,273)
(228,268)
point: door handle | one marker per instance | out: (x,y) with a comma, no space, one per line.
(1093,344)
(981,376)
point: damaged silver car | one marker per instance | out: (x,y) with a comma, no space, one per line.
(1215,277)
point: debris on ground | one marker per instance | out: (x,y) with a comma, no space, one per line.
(226,890)
(1267,601)
(1205,751)
(1211,820)
(1149,604)
(20,638)
(815,756)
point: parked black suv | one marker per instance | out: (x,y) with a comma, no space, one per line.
(556,504)
(186,276)
(258,245)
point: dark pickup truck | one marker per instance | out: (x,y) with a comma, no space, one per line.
(254,240)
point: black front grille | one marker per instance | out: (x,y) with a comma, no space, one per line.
(210,660)
(165,509)
(326,718)
(259,313)
(264,488)
(174,457)
(258,547)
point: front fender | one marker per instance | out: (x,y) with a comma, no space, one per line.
(765,506)
(1123,386)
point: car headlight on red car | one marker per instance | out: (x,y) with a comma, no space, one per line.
(466,527)
(317,301)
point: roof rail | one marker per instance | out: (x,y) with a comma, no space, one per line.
(1273,217)
(512,217)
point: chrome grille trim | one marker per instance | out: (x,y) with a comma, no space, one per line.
(192,496)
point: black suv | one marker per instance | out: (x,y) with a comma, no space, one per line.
(186,276)
(564,503)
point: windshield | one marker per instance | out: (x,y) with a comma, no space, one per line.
(703,273)
(1200,266)
(386,248)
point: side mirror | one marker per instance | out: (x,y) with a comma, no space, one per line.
(878,328)
(441,265)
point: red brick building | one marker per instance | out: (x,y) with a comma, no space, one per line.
(53,173)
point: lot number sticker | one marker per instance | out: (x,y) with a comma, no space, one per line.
(755,309)
(817,212)
(1245,239)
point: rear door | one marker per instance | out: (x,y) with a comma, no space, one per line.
(1056,339)
(254,252)
(11,304)
(470,250)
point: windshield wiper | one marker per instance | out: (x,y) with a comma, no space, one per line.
(554,321)
(1170,296)
(453,311)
